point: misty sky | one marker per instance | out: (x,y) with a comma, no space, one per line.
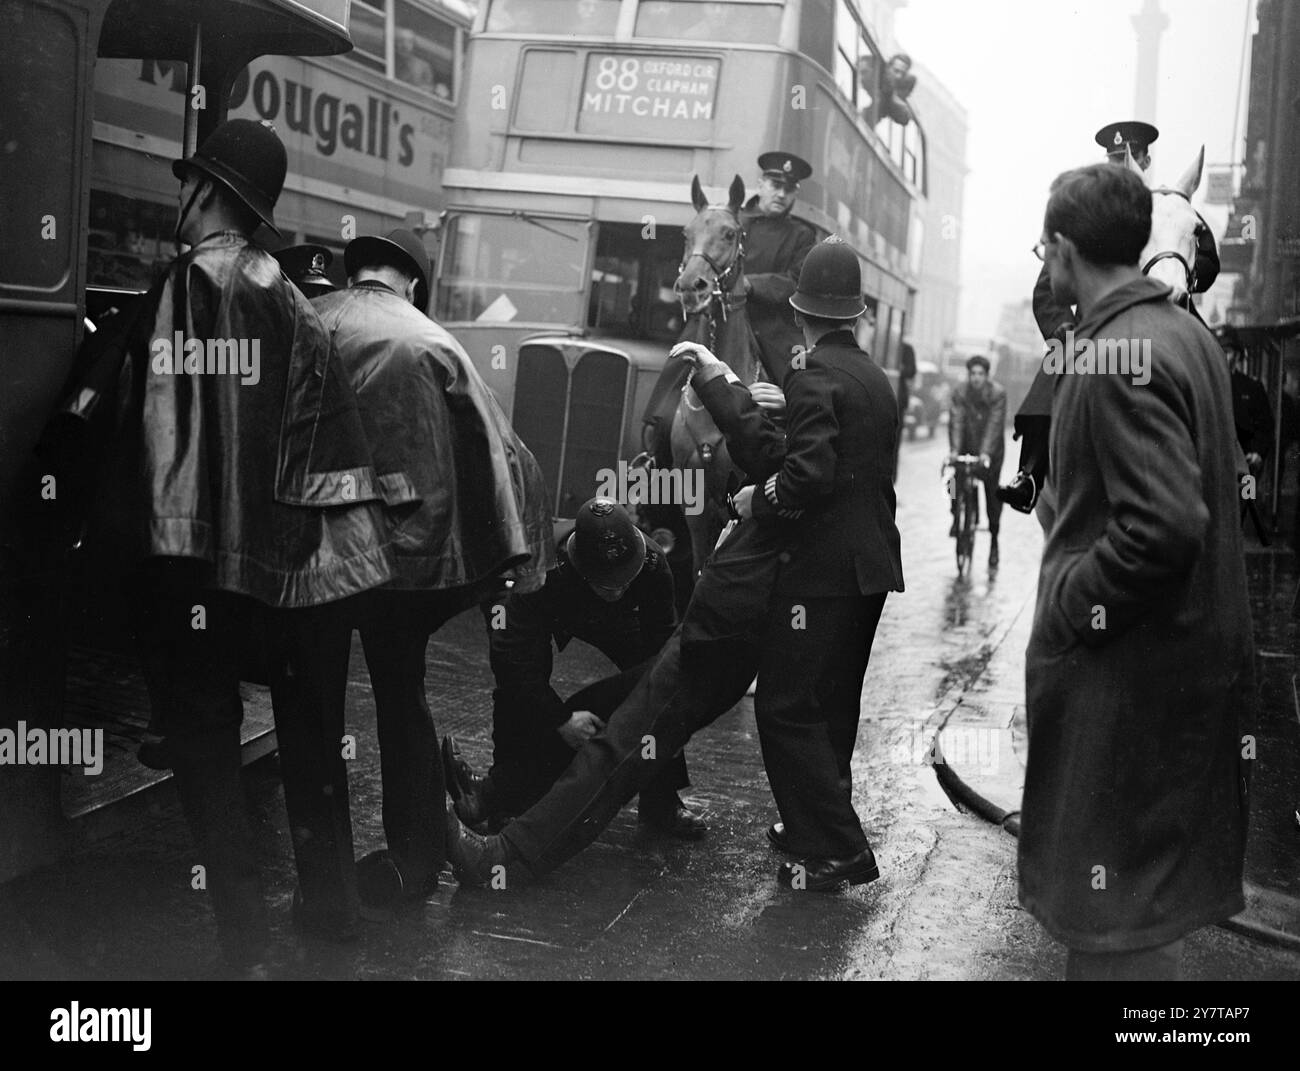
(1038,78)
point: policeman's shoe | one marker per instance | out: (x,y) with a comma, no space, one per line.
(676,820)
(821,875)
(993,552)
(333,924)
(470,793)
(777,837)
(1020,494)
(478,860)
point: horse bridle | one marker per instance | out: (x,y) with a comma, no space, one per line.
(1189,270)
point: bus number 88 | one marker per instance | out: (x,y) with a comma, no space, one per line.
(611,73)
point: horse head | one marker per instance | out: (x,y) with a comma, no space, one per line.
(1170,253)
(713,249)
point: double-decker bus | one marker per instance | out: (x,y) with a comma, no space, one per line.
(582,123)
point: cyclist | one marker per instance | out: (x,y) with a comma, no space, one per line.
(977,425)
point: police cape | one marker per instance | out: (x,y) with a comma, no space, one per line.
(262,473)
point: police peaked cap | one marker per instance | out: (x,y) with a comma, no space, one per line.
(248,159)
(398,246)
(786,166)
(1114,136)
(830,282)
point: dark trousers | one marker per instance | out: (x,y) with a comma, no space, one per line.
(528,757)
(1161,964)
(815,655)
(686,688)
(193,678)
(989,478)
(395,628)
(308,670)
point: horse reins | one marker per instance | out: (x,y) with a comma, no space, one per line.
(1189,270)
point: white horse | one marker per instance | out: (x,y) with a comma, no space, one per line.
(1170,252)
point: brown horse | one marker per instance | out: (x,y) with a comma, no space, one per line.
(711,288)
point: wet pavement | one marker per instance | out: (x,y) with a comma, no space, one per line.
(948,656)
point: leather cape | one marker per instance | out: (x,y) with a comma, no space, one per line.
(466,499)
(232,436)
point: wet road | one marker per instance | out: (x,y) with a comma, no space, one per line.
(948,652)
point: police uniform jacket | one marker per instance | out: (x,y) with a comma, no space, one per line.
(774,254)
(466,498)
(830,501)
(628,631)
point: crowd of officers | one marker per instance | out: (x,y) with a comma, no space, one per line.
(368,480)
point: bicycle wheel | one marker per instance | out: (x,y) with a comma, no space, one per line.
(965,540)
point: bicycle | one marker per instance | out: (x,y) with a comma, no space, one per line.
(963,489)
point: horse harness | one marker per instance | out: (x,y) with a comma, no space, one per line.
(1189,270)
(725,299)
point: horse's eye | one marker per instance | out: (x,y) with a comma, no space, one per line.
(729,234)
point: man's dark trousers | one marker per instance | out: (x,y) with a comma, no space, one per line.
(191,666)
(528,757)
(815,656)
(687,687)
(395,628)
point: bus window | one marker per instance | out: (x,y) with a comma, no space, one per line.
(817,31)
(632,283)
(582,17)
(707,20)
(129,241)
(424,51)
(368,27)
(503,269)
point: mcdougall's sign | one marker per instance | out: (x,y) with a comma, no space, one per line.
(335,129)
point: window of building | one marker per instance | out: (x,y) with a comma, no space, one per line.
(707,20)
(422,46)
(585,17)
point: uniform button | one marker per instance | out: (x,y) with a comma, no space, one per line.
(784,556)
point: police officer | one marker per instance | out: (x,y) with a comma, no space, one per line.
(1251,412)
(1054,319)
(613,588)
(232,484)
(448,464)
(307,267)
(977,425)
(775,247)
(795,592)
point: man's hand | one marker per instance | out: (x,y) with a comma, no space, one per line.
(1255,461)
(581,727)
(694,353)
(744,502)
(768,396)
